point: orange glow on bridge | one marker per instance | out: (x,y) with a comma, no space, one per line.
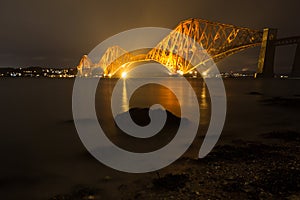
(218,40)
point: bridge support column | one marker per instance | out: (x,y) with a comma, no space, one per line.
(267,54)
(296,65)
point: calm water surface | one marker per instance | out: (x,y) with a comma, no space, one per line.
(42,155)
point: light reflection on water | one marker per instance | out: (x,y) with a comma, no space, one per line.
(154,94)
(46,146)
(125,100)
(204,100)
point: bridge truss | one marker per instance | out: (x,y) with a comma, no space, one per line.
(175,52)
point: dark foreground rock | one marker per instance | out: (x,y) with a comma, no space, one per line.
(241,170)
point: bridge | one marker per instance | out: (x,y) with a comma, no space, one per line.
(267,53)
(175,52)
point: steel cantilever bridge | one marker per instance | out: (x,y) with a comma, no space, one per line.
(174,51)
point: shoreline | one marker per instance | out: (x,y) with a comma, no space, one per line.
(240,170)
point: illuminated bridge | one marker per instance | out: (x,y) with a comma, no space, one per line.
(175,52)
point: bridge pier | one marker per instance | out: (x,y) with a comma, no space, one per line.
(296,65)
(267,54)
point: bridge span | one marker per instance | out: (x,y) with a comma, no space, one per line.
(219,41)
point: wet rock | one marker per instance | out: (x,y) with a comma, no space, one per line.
(80,193)
(171,182)
(283,135)
(107,178)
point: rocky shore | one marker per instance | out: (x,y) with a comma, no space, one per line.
(240,170)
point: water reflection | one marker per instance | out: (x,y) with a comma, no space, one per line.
(203,99)
(125,100)
(151,94)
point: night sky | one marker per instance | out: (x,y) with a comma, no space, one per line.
(57,33)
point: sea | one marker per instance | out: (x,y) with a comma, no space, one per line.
(41,152)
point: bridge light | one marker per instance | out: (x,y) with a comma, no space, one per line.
(180,72)
(124,75)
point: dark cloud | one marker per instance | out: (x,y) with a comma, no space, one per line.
(59,32)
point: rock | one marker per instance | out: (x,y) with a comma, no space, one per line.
(107,178)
